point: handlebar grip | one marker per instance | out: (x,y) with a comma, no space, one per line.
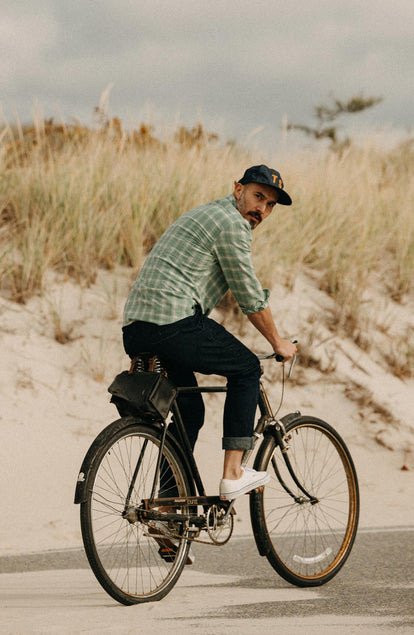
(280,358)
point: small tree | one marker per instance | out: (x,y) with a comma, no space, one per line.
(327,115)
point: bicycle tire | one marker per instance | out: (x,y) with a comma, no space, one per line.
(306,543)
(123,555)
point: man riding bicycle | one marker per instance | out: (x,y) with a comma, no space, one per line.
(203,254)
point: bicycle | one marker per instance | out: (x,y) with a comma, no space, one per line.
(142,500)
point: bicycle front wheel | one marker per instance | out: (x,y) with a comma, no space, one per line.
(306,539)
(122,551)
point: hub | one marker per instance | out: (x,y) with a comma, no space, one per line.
(131,515)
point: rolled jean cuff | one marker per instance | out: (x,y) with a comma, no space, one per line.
(238,443)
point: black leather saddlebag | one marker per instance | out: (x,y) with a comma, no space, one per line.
(143,393)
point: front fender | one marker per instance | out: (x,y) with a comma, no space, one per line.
(256,497)
(287,419)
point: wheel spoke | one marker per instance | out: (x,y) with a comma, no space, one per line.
(307,542)
(123,555)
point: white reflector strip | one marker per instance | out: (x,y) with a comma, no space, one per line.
(317,558)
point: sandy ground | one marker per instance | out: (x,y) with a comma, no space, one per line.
(54,402)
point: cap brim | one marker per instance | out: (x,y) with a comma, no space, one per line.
(283,198)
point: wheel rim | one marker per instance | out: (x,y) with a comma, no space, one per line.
(127,553)
(312,540)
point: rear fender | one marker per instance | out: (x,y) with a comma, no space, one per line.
(102,438)
(83,479)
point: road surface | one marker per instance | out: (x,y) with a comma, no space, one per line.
(229,589)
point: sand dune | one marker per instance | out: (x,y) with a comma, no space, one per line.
(54,402)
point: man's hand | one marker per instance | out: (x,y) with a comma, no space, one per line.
(285,349)
(264,323)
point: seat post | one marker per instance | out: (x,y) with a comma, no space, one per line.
(187,449)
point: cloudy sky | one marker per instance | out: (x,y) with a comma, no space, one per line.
(236,65)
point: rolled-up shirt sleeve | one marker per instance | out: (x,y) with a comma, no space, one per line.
(233,252)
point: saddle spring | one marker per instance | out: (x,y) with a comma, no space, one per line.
(146,362)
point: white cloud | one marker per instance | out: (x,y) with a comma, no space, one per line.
(24,39)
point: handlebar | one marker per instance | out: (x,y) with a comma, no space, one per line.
(276,356)
(279,358)
(268,356)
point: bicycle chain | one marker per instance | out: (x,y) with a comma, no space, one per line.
(181,537)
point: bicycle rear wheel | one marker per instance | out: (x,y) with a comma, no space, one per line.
(122,551)
(306,542)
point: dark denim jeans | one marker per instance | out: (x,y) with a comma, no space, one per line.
(199,344)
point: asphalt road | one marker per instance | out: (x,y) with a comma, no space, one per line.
(228,588)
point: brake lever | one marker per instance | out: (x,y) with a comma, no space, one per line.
(291,366)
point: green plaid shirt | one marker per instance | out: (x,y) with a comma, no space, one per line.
(203,254)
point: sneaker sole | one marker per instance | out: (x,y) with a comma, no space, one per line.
(229,496)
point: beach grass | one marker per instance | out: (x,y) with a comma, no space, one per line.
(75,199)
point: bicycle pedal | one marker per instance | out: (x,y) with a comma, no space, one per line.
(168,554)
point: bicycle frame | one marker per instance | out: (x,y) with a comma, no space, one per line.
(266,423)
(137,529)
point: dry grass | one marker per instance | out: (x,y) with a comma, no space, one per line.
(76,199)
(353,221)
(370,410)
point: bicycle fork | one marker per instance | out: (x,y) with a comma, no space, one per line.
(278,431)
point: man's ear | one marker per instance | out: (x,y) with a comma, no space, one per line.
(238,189)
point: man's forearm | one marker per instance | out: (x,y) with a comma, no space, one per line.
(263,321)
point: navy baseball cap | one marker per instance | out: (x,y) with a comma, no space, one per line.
(267,176)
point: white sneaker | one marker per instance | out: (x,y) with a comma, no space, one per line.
(250,479)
